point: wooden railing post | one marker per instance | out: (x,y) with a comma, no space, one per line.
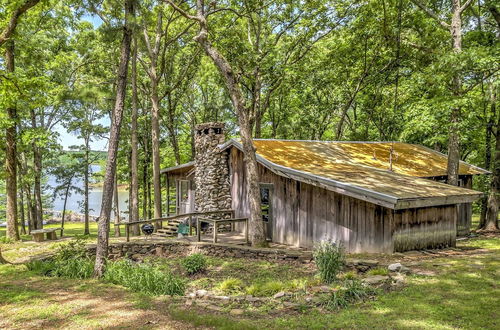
(127,232)
(198,229)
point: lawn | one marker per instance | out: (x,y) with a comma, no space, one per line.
(462,292)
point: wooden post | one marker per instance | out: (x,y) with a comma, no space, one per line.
(215,232)
(190,219)
(127,232)
(198,229)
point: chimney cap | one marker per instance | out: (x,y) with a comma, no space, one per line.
(209,125)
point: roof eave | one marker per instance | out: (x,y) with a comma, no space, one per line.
(436,201)
(177,167)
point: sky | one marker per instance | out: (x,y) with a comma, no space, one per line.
(69,139)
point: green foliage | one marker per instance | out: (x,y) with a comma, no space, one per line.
(265,289)
(71,260)
(330,259)
(230,286)
(378,271)
(348,293)
(194,263)
(144,278)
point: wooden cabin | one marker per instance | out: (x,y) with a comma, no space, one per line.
(369,196)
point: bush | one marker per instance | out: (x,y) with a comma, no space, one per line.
(378,271)
(144,278)
(6,240)
(330,259)
(230,285)
(71,260)
(194,263)
(350,292)
(266,288)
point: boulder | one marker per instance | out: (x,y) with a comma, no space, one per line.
(279,295)
(236,312)
(397,267)
(375,279)
(201,293)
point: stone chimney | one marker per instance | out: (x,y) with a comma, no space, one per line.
(213,189)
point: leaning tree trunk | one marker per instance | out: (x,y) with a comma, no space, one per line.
(10,155)
(37,169)
(116,208)
(63,217)
(257,235)
(155,141)
(86,189)
(114,138)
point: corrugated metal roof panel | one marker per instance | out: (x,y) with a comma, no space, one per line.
(408,159)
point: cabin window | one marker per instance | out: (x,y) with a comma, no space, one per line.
(184,191)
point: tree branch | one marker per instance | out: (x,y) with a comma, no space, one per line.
(182,11)
(432,14)
(14,19)
(465,5)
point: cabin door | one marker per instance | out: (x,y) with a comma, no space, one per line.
(266,193)
(182,196)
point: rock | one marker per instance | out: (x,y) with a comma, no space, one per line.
(369,263)
(397,267)
(252,299)
(201,293)
(214,308)
(236,312)
(399,280)
(321,289)
(375,279)
(221,297)
(188,303)
(279,295)
(192,295)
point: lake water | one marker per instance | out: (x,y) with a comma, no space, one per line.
(75,201)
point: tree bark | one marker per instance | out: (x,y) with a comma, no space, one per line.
(10,155)
(134,182)
(116,208)
(86,188)
(107,196)
(37,170)
(455,117)
(63,217)
(491,221)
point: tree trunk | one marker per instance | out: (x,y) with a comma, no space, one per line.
(257,235)
(37,170)
(63,218)
(21,211)
(134,182)
(455,117)
(155,142)
(116,208)
(114,138)
(10,155)
(487,158)
(86,188)
(491,222)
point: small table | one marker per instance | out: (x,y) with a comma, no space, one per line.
(38,234)
(216,223)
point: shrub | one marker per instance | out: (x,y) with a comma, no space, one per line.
(194,263)
(330,259)
(350,275)
(71,260)
(230,285)
(378,271)
(265,289)
(350,292)
(144,278)
(6,240)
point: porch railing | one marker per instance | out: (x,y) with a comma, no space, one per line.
(172,217)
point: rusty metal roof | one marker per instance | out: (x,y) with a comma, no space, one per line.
(361,170)
(408,159)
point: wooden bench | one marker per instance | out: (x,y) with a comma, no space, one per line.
(38,234)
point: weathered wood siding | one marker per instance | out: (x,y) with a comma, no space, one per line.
(425,228)
(304,214)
